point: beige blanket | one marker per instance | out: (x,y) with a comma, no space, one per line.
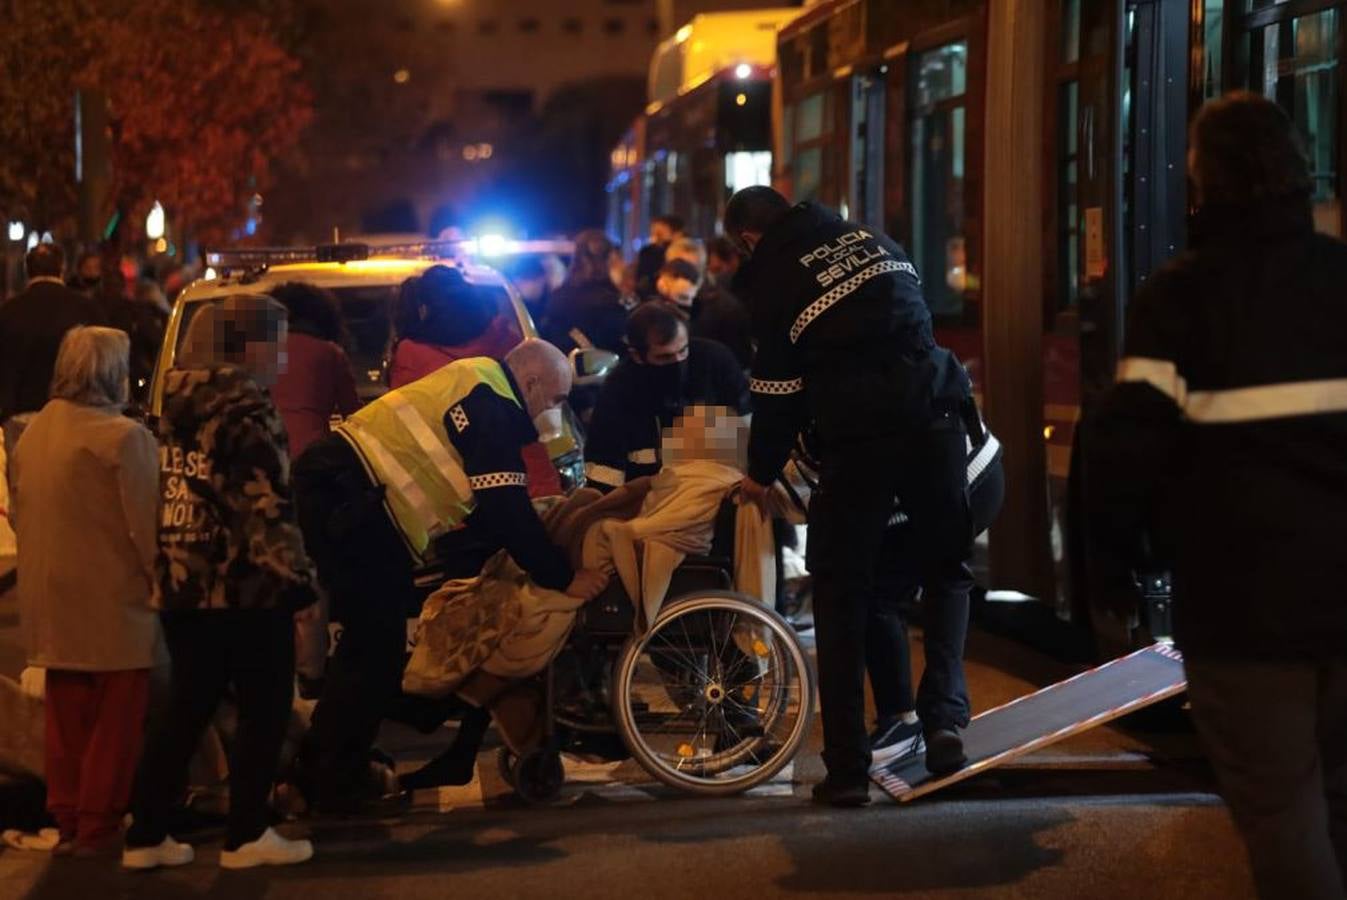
(677,520)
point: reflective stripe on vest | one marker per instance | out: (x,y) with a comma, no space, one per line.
(390,472)
(430,443)
(402,438)
(1248,404)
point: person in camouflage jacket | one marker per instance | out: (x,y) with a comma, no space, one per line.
(227,531)
(232,579)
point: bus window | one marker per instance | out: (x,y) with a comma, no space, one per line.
(937,134)
(1295,61)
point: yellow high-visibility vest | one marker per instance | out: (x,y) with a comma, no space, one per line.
(402,441)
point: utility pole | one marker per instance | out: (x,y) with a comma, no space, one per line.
(92,169)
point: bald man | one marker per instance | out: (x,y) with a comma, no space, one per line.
(429,472)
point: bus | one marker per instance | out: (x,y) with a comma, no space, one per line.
(707,129)
(1031,157)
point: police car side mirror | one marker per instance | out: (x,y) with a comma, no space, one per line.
(592,365)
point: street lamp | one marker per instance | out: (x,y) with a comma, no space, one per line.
(154,222)
(17,230)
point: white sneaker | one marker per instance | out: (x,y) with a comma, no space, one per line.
(167,853)
(269,850)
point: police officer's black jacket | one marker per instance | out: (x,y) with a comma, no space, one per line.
(489,432)
(843,336)
(1226,435)
(638,401)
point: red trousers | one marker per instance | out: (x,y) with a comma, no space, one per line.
(95,724)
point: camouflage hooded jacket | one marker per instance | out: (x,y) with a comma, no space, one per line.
(228,537)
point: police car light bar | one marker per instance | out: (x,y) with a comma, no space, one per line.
(262,257)
(251,258)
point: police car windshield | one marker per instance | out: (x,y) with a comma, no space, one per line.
(368,313)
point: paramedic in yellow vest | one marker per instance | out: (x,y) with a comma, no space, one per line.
(431,469)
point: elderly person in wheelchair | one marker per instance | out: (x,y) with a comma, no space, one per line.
(678,663)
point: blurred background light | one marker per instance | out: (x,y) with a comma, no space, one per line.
(154,222)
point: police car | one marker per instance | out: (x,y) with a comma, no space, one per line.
(365,279)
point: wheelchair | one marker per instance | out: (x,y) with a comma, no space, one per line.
(715,697)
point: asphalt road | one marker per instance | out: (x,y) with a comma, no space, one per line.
(1116,812)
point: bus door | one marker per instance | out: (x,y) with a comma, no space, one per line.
(1122,202)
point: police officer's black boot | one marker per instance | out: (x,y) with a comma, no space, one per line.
(842,792)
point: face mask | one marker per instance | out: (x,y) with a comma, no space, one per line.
(549,424)
(665,383)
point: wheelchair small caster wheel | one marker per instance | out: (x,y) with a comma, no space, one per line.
(538,776)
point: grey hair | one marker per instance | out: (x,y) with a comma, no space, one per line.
(93,367)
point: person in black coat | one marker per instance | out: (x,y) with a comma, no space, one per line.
(31,327)
(844,340)
(587,310)
(663,373)
(1222,453)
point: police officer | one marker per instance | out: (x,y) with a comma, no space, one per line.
(664,372)
(435,465)
(944,593)
(844,338)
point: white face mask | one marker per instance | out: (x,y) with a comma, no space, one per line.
(549,424)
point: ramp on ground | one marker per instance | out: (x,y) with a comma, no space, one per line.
(1046,716)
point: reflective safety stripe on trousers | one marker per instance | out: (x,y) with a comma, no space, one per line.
(1247,404)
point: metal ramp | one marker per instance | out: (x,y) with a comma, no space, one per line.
(1044,717)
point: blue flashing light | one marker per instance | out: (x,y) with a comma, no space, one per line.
(493,245)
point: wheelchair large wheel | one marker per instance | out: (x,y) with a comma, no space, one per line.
(716,697)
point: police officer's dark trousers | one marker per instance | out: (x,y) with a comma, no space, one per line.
(848,517)
(366,568)
(943,698)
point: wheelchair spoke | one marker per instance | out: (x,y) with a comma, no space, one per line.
(720,649)
(725,726)
(692,650)
(683,659)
